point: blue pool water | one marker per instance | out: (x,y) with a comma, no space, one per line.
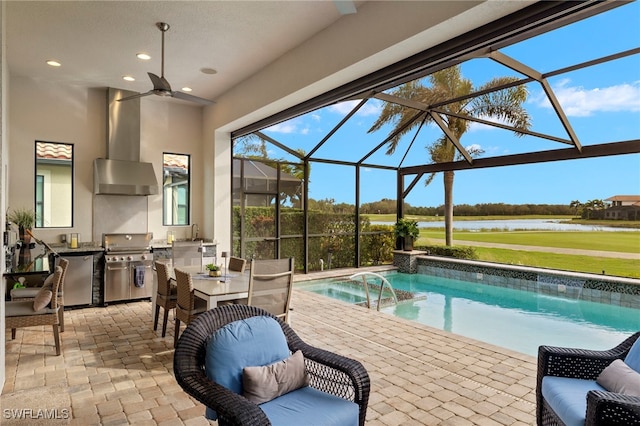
(513,319)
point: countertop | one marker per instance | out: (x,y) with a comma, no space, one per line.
(83,248)
(162,244)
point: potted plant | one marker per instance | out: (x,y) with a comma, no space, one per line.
(24,219)
(214,270)
(406,230)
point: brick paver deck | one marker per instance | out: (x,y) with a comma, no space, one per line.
(115,370)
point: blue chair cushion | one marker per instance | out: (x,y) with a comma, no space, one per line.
(254,341)
(308,406)
(633,357)
(568,397)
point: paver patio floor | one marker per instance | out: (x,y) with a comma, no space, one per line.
(115,369)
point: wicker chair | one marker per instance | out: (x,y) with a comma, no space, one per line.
(20,313)
(188,306)
(237,264)
(186,253)
(166,296)
(30,293)
(328,372)
(603,408)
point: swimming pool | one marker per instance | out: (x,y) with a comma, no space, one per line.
(514,319)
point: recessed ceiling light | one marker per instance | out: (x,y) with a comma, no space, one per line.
(143,56)
(128,78)
(54,63)
(187,89)
(208,71)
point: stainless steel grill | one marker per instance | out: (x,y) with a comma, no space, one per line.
(128,272)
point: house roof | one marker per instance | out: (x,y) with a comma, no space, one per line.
(54,151)
(625,198)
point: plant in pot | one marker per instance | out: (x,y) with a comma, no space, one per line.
(24,219)
(407,231)
(214,270)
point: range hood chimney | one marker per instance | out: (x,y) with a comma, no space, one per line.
(122,173)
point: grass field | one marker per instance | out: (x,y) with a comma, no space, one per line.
(623,242)
(595,265)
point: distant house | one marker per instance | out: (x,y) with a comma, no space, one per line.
(623,207)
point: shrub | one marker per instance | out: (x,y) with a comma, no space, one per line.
(459,252)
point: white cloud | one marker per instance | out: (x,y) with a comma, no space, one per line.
(473,147)
(291,126)
(373,106)
(577,101)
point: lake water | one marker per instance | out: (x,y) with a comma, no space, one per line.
(513,224)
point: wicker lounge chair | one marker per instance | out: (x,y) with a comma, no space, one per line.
(29,293)
(330,373)
(21,313)
(602,407)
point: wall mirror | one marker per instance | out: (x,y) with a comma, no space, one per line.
(54,185)
(176,183)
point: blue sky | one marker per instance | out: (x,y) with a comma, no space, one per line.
(601,102)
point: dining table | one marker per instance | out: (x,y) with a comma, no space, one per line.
(231,286)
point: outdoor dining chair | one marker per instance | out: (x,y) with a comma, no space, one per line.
(42,310)
(237,264)
(30,293)
(186,253)
(166,296)
(270,285)
(188,305)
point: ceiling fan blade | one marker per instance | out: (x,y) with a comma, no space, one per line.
(139,95)
(345,7)
(188,97)
(159,83)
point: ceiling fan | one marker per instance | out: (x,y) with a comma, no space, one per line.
(161,86)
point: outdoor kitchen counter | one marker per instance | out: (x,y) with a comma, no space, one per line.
(162,244)
(82,249)
(162,250)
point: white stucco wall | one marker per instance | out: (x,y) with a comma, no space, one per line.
(78,116)
(4,82)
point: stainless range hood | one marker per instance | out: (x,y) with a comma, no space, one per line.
(122,173)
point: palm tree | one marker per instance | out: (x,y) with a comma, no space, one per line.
(505,105)
(591,206)
(577,206)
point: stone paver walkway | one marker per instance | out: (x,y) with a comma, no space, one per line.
(116,370)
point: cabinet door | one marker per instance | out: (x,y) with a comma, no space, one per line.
(116,281)
(78,281)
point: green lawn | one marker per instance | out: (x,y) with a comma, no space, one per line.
(625,242)
(595,265)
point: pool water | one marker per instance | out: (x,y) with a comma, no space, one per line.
(514,319)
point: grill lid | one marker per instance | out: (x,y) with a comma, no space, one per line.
(127,242)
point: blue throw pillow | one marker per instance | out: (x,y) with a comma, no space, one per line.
(254,341)
(633,357)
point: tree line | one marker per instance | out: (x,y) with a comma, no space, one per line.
(388,206)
